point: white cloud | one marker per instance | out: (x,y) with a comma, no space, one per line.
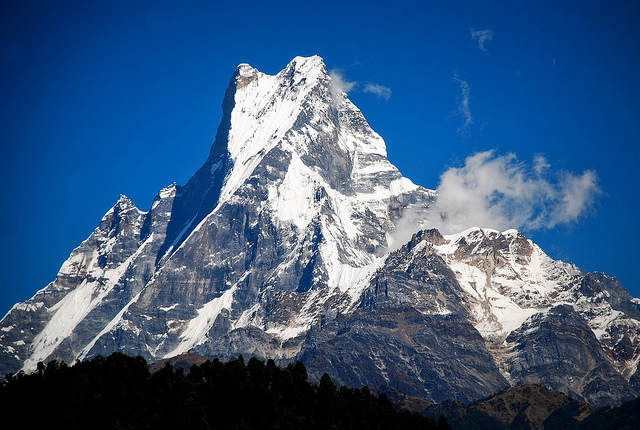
(339,82)
(483,36)
(378,90)
(500,192)
(463,106)
(339,85)
(414,218)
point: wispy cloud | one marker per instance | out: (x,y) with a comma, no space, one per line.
(483,36)
(340,82)
(463,106)
(500,192)
(339,86)
(380,91)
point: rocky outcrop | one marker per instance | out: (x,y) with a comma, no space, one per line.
(543,321)
(432,356)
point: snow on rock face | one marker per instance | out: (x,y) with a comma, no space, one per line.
(109,266)
(536,314)
(310,172)
(286,219)
(510,276)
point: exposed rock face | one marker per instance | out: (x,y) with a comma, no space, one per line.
(432,356)
(101,276)
(559,350)
(278,247)
(527,406)
(543,321)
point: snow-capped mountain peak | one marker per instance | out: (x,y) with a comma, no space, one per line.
(288,243)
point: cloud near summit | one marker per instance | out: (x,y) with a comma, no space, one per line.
(500,192)
(340,82)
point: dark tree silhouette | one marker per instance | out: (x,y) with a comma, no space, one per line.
(119,392)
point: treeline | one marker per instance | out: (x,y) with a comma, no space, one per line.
(119,392)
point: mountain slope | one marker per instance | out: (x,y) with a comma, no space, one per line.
(295,201)
(526,406)
(279,247)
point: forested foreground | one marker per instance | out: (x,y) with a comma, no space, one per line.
(119,392)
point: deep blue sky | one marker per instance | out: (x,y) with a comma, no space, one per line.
(103,98)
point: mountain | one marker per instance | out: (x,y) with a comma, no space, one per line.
(287,244)
(533,407)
